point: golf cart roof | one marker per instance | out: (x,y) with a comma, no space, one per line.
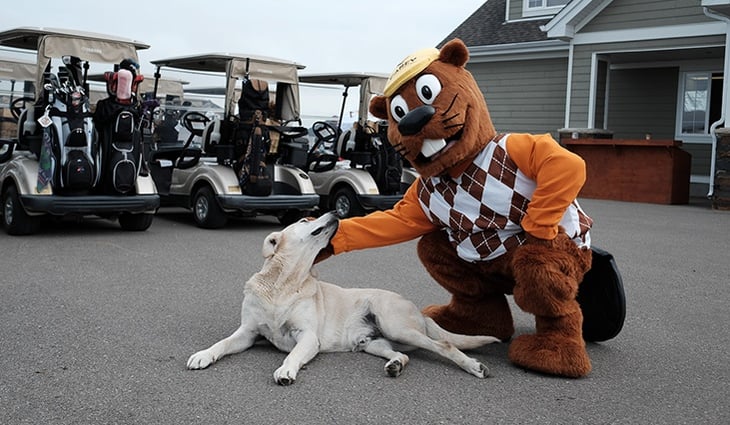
(234,64)
(27,38)
(347,79)
(238,66)
(370,84)
(55,42)
(17,69)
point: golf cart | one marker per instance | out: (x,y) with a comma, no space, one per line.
(67,161)
(355,170)
(231,165)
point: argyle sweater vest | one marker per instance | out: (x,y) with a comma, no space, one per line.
(483,207)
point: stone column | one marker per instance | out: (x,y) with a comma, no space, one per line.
(721,192)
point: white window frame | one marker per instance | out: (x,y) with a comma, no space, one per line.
(542,10)
(701,138)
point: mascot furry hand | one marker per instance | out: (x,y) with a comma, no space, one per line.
(496,213)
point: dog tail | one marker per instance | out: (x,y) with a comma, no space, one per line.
(462,342)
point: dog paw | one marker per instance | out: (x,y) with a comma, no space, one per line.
(284,377)
(200,360)
(480,370)
(394,368)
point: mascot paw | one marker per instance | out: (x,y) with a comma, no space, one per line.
(550,354)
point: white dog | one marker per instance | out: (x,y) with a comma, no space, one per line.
(301,315)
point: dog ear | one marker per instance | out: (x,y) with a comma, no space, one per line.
(271,243)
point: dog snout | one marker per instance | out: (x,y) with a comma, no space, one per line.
(415,120)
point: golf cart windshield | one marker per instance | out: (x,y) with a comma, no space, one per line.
(370,84)
(17,70)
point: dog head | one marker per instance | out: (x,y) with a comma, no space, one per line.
(300,242)
(437,115)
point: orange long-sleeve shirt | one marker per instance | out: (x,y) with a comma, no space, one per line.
(558,173)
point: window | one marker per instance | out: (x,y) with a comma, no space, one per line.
(542,7)
(700,102)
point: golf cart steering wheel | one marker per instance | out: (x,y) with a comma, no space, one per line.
(190,119)
(323,161)
(18,105)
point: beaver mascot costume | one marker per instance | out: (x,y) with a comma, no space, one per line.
(496,213)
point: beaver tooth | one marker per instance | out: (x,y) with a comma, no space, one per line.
(432,146)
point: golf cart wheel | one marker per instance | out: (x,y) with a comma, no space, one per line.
(206,211)
(135,222)
(345,203)
(15,219)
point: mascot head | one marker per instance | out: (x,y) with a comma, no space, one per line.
(437,116)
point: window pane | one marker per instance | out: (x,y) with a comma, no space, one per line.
(534,3)
(694,109)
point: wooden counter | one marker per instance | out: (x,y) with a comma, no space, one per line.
(635,170)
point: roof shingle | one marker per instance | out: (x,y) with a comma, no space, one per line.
(487,26)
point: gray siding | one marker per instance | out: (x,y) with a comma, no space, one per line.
(515,9)
(643,101)
(582,55)
(701,154)
(632,14)
(524,96)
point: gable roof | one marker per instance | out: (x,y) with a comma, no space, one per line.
(573,16)
(487,26)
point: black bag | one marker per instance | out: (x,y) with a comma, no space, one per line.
(78,171)
(121,140)
(602,299)
(255,176)
(254,97)
(124,157)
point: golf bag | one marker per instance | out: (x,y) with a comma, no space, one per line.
(73,151)
(118,121)
(255,176)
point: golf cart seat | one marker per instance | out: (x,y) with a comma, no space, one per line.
(217,141)
(347,149)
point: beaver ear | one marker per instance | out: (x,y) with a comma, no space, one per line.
(454,52)
(379,107)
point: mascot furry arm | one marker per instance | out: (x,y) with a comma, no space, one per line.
(496,213)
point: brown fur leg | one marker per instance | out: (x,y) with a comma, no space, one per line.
(546,284)
(487,316)
(554,349)
(478,305)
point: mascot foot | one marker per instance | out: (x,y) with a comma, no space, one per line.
(485,318)
(551,354)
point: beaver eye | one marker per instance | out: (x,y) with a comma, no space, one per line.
(427,88)
(398,108)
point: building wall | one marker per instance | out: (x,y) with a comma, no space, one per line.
(643,101)
(524,96)
(582,57)
(514,9)
(632,14)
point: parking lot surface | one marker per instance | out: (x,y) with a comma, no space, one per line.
(97,324)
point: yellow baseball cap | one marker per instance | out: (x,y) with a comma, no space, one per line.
(409,67)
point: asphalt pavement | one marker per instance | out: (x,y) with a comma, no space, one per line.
(96,325)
